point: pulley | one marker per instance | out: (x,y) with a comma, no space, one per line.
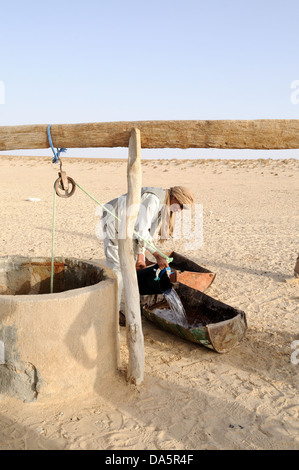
(64,186)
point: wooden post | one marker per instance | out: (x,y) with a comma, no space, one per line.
(135,339)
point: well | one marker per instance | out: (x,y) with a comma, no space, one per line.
(60,343)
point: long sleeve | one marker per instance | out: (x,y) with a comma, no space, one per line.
(147,217)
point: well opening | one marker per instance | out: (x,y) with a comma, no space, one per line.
(64,342)
(32,276)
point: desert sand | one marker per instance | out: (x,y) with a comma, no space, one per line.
(192,398)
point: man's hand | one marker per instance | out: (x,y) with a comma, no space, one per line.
(161,261)
(140,263)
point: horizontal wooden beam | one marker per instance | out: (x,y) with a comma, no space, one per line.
(222,134)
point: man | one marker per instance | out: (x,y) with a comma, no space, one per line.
(157,209)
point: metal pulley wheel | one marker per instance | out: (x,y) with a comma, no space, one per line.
(64,186)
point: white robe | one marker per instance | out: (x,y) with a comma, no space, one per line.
(146,226)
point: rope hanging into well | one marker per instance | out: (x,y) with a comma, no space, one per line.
(53,243)
(55,160)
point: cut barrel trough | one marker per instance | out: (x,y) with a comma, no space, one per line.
(211,323)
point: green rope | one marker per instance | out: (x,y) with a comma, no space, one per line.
(53,242)
(169,260)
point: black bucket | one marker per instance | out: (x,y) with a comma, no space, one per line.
(150,283)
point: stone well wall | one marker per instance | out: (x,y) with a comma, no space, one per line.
(61,343)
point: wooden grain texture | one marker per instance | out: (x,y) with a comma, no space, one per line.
(253,134)
(135,338)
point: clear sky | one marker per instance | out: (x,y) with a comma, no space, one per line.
(72,61)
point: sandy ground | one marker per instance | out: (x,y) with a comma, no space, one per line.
(191,398)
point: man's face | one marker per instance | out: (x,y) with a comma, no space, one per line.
(175,206)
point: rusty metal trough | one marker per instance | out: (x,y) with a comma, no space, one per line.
(211,323)
(188,272)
